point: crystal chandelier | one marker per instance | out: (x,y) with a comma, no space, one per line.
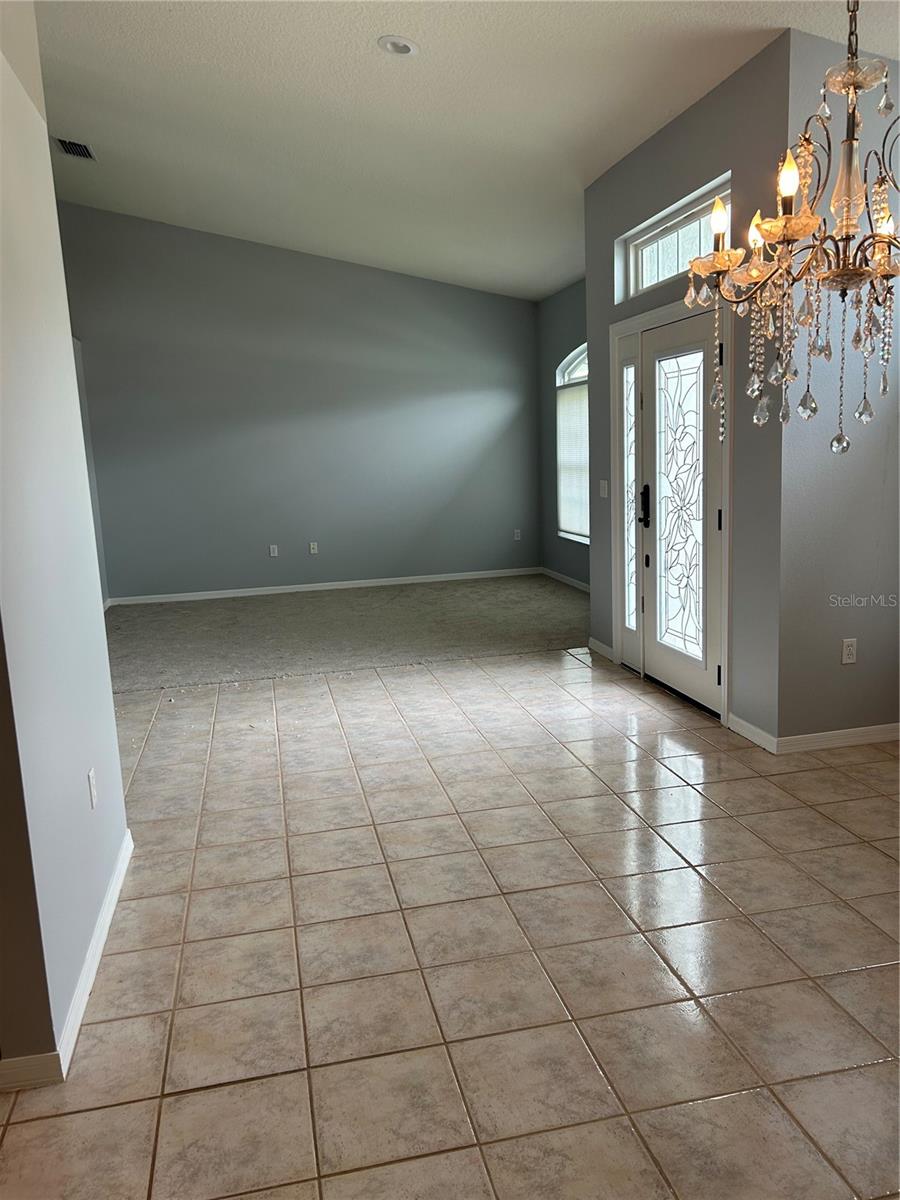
(797,246)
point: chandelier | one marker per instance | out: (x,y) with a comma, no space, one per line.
(798,246)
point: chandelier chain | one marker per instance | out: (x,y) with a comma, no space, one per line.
(852,37)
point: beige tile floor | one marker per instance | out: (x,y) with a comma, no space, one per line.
(522,928)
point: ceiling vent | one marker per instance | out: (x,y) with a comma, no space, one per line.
(75,149)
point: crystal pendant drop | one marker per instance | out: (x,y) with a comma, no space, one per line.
(886,104)
(884,386)
(824,112)
(874,325)
(775,375)
(840,444)
(807,408)
(742,309)
(865,413)
(754,385)
(826,350)
(761,414)
(880,285)
(714,395)
(770,323)
(790,370)
(704,296)
(690,296)
(818,347)
(784,413)
(806,314)
(857,340)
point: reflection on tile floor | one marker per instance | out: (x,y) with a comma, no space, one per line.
(523,928)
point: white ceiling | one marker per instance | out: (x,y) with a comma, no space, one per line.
(283,123)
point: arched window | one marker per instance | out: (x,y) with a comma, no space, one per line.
(572,473)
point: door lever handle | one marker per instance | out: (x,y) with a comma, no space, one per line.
(644,518)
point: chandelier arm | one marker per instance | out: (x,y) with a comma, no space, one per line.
(872,239)
(888,146)
(749,295)
(822,176)
(872,154)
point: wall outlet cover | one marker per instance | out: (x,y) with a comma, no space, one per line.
(848,651)
(273,551)
(314,547)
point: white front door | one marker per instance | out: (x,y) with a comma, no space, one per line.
(671,503)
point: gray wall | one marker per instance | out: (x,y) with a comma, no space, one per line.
(241,395)
(562,327)
(91,469)
(712,137)
(50,601)
(839,513)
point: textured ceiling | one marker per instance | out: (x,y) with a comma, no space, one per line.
(283,123)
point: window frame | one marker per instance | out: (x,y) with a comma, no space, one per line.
(694,209)
(563,384)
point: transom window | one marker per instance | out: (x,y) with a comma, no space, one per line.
(572,462)
(662,248)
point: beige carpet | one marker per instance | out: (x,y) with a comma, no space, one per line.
(298,633)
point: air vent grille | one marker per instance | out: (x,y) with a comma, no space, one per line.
(76,149)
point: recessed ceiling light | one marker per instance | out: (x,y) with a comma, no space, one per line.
(390,43)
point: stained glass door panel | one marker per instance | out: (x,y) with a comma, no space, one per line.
(679,502)
(629,492)
(680,550)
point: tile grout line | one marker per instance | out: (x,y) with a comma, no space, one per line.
(314,1139)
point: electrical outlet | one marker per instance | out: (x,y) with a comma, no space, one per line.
(848,651)
(273,551)
(603,488)
(92,784)
(517,535)
(314,547)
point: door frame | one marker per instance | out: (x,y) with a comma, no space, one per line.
(639,324)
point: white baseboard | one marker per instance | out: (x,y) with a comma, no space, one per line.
(72,1025)
(228,593)
(30,1071)
(860,736)
(827,740)
(601,648)
(768,741)
(575,583)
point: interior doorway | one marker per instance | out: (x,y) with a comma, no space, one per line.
(670,504)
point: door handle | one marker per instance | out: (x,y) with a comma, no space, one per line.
(644,518)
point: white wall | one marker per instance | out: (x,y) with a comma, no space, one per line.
(50,601)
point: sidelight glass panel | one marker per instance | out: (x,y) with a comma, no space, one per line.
(679,502)
(629,483)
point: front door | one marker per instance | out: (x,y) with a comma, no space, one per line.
(672,565)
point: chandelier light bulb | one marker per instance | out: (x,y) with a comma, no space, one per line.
(788,182)
(788,176)
(754,237)
(718,220)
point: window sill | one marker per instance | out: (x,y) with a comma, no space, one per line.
(574,537)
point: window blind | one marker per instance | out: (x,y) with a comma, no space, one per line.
(572,474)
